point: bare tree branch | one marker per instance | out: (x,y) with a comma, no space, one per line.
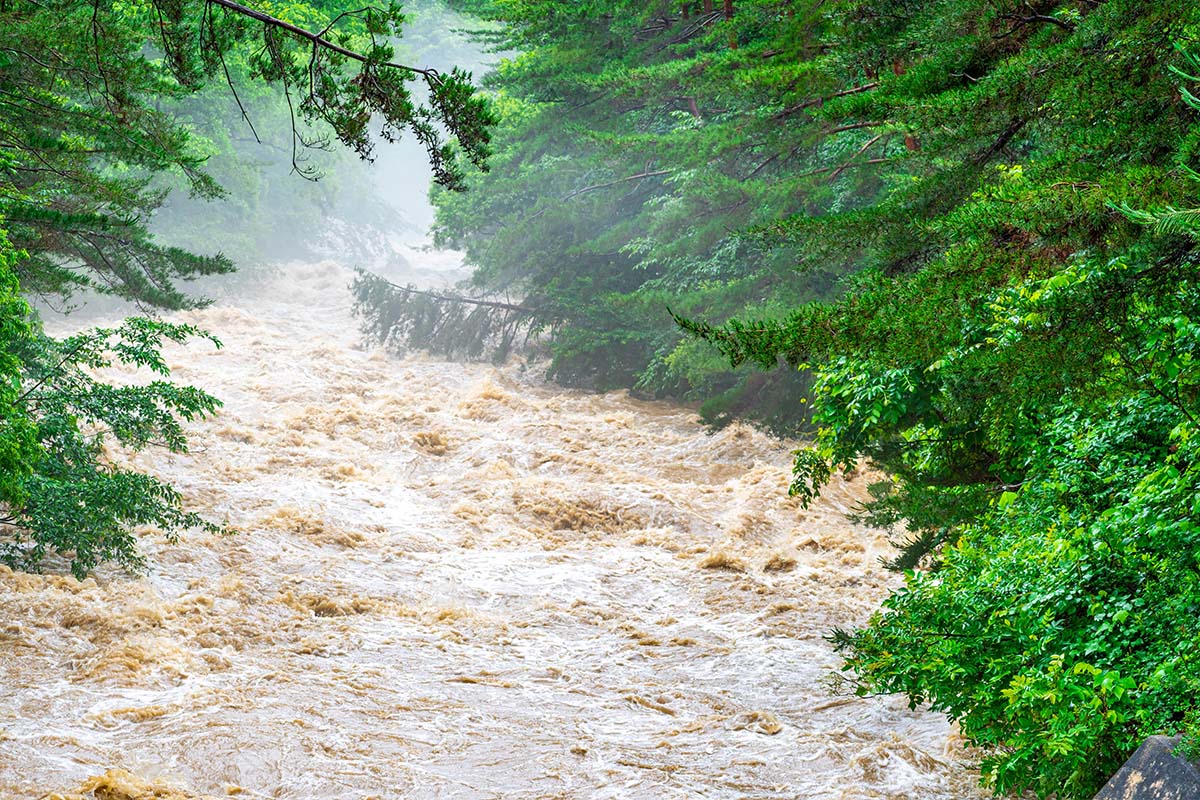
(446,298)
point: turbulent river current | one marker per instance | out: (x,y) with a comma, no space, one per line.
(455,581)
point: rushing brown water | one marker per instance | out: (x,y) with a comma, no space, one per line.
(454,581)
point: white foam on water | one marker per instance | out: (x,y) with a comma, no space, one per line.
(453,580)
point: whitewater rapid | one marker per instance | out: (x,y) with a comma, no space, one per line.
(456,581)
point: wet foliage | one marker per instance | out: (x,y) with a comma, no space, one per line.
(445,323)
(958,239)
(94,128)
(970,226)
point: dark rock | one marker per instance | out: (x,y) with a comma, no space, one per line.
(1154,772)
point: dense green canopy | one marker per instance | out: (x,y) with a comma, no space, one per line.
(968,225)
(94,130)
(958,238)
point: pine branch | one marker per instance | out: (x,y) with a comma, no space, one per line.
(432,76)
(626,179)
(817,101)
(586,189)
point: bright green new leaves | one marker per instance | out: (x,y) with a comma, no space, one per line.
(60,493)
(1044,471)
(19,450)
(72,499)
(89,97)
(1062,626)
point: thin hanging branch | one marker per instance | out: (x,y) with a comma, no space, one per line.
(446,298)
(207,25)
(431,75)
(595,187)
(626,179)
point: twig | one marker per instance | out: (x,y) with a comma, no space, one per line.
(452,299)
(627,178)
(823,170)
(593,188)
(431,75)
(861,150)
(816,101)
(228,77)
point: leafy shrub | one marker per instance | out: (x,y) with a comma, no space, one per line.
(59,491)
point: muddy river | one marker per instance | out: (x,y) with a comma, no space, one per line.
(456,581)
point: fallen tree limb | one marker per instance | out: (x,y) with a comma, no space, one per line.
(449,298)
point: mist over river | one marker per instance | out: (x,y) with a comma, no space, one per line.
(455,581)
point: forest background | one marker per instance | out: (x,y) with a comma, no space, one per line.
(955,239)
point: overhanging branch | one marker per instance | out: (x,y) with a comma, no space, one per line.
(431,75)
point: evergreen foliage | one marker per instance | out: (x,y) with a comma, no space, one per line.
(92,122)
(449,324)
(972,226)
(19,451)
(634,149)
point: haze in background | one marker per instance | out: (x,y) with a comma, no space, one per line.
(374,215)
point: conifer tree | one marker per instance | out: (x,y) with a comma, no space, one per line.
(968,227)
(85,143)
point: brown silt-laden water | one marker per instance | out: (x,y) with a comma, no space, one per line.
(455,581)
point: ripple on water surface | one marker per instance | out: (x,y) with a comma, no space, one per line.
(454,581)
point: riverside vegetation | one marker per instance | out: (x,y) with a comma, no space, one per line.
(955,239)
(88,151)
(964,233)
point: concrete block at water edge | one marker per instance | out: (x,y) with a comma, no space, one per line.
(1154,772)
